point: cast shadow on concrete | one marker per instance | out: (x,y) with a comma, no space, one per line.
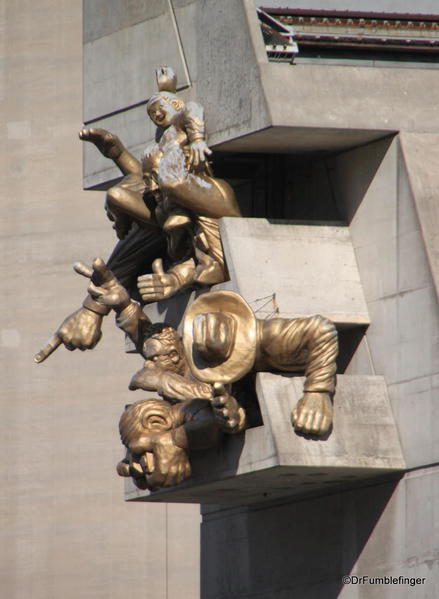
(223,458)
(350,184)
(290,548)
(226,456)
(172,310)
(349,339)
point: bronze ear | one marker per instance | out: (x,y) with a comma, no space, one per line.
(157,416)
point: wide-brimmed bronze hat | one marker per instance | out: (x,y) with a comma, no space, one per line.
(241,356)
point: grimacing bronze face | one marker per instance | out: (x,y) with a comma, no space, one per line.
(165,350)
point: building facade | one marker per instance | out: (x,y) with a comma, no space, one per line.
(332,123)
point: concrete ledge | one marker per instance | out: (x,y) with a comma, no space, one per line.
(310,269)
(273,461)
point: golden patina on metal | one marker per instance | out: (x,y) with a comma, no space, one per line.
(170,191)
(172,194)
(187,200)
(192,415)
(159,437)
(223,341)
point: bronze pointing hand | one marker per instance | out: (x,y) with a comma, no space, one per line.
(104,287)
(82,329)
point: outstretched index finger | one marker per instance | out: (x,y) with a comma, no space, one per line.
(53,343)
(83,269)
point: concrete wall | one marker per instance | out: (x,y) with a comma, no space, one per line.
(118,58)
(251,104)
(373,187)
(303,549)
(65,530)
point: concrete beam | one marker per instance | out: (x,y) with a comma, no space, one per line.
(272,461)
(307,269)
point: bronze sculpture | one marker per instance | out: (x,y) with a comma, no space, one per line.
(171,188)
(166,209)
(191,416)
(160,436)
(223,341)
(169,199)
(165,369)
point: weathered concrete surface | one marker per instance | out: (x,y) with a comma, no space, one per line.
(298,140)
(395,252)
(303,548)
(132,127)
(301,270)
(256,106)
(65,530)
(119,68)
(104,17)
(421,159)
(315,96)
(273,461)
(294,270)
(233,98)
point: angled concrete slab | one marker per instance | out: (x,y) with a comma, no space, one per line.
(306,269)
(272,461)
(421,157)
